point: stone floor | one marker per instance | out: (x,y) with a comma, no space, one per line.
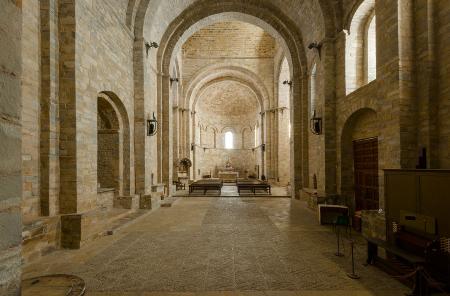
(220,247)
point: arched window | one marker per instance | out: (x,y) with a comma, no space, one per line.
(371,50)
(360,48)
(229,141)
(312,89)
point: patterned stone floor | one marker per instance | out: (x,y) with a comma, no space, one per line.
(220,247)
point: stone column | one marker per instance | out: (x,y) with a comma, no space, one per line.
(340,44)
(275,129)
(427,79)
(10,147)
(299,136)
(175,146)
(329,114)
(192,146)
(67,108)
(49,117)
(408,105)
(263,139)
(165,133)
(139,116)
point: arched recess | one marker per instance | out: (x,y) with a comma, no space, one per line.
(110,100)
(210,75)
(361,127)
(247,141)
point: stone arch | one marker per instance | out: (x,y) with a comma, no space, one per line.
(355,128)
(227,129)
(221,71)
(198,93)
(271,19)
(123,127)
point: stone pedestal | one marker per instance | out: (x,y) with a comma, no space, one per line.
(150,201)
(159,188)
(315,198)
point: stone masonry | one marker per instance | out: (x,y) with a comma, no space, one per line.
(169,57)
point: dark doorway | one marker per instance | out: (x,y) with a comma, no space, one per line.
(365,155)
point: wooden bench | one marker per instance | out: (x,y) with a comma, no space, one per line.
(253,185)
(417,261)
(205,185)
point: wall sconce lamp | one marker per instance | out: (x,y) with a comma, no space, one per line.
(316,124)
(316,46)
(192,146)
(287,82)
(263,147)
(152,126)
(172,80)
(150,45)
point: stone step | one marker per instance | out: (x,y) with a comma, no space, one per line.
(168,201)
(128,219)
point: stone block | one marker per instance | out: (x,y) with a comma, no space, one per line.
(71,231)
(374,224)
(149,201)
(126,202)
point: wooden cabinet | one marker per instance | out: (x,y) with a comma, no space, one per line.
(424,192)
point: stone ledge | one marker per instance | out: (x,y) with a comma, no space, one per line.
(79,228)
(126,202)
(40,237)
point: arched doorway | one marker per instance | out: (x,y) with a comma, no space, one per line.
(359,157)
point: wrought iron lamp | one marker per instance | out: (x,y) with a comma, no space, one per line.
(316,124)
(316,46)
(149,45)
(152,126)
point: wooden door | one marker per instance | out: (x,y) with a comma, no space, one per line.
(365,156)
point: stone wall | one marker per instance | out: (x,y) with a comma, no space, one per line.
(10,146)
(150,106)
(440,15)
(214,160)
(316,150)
(103,56)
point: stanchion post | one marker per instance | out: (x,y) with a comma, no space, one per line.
(353,275)
(338,253)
